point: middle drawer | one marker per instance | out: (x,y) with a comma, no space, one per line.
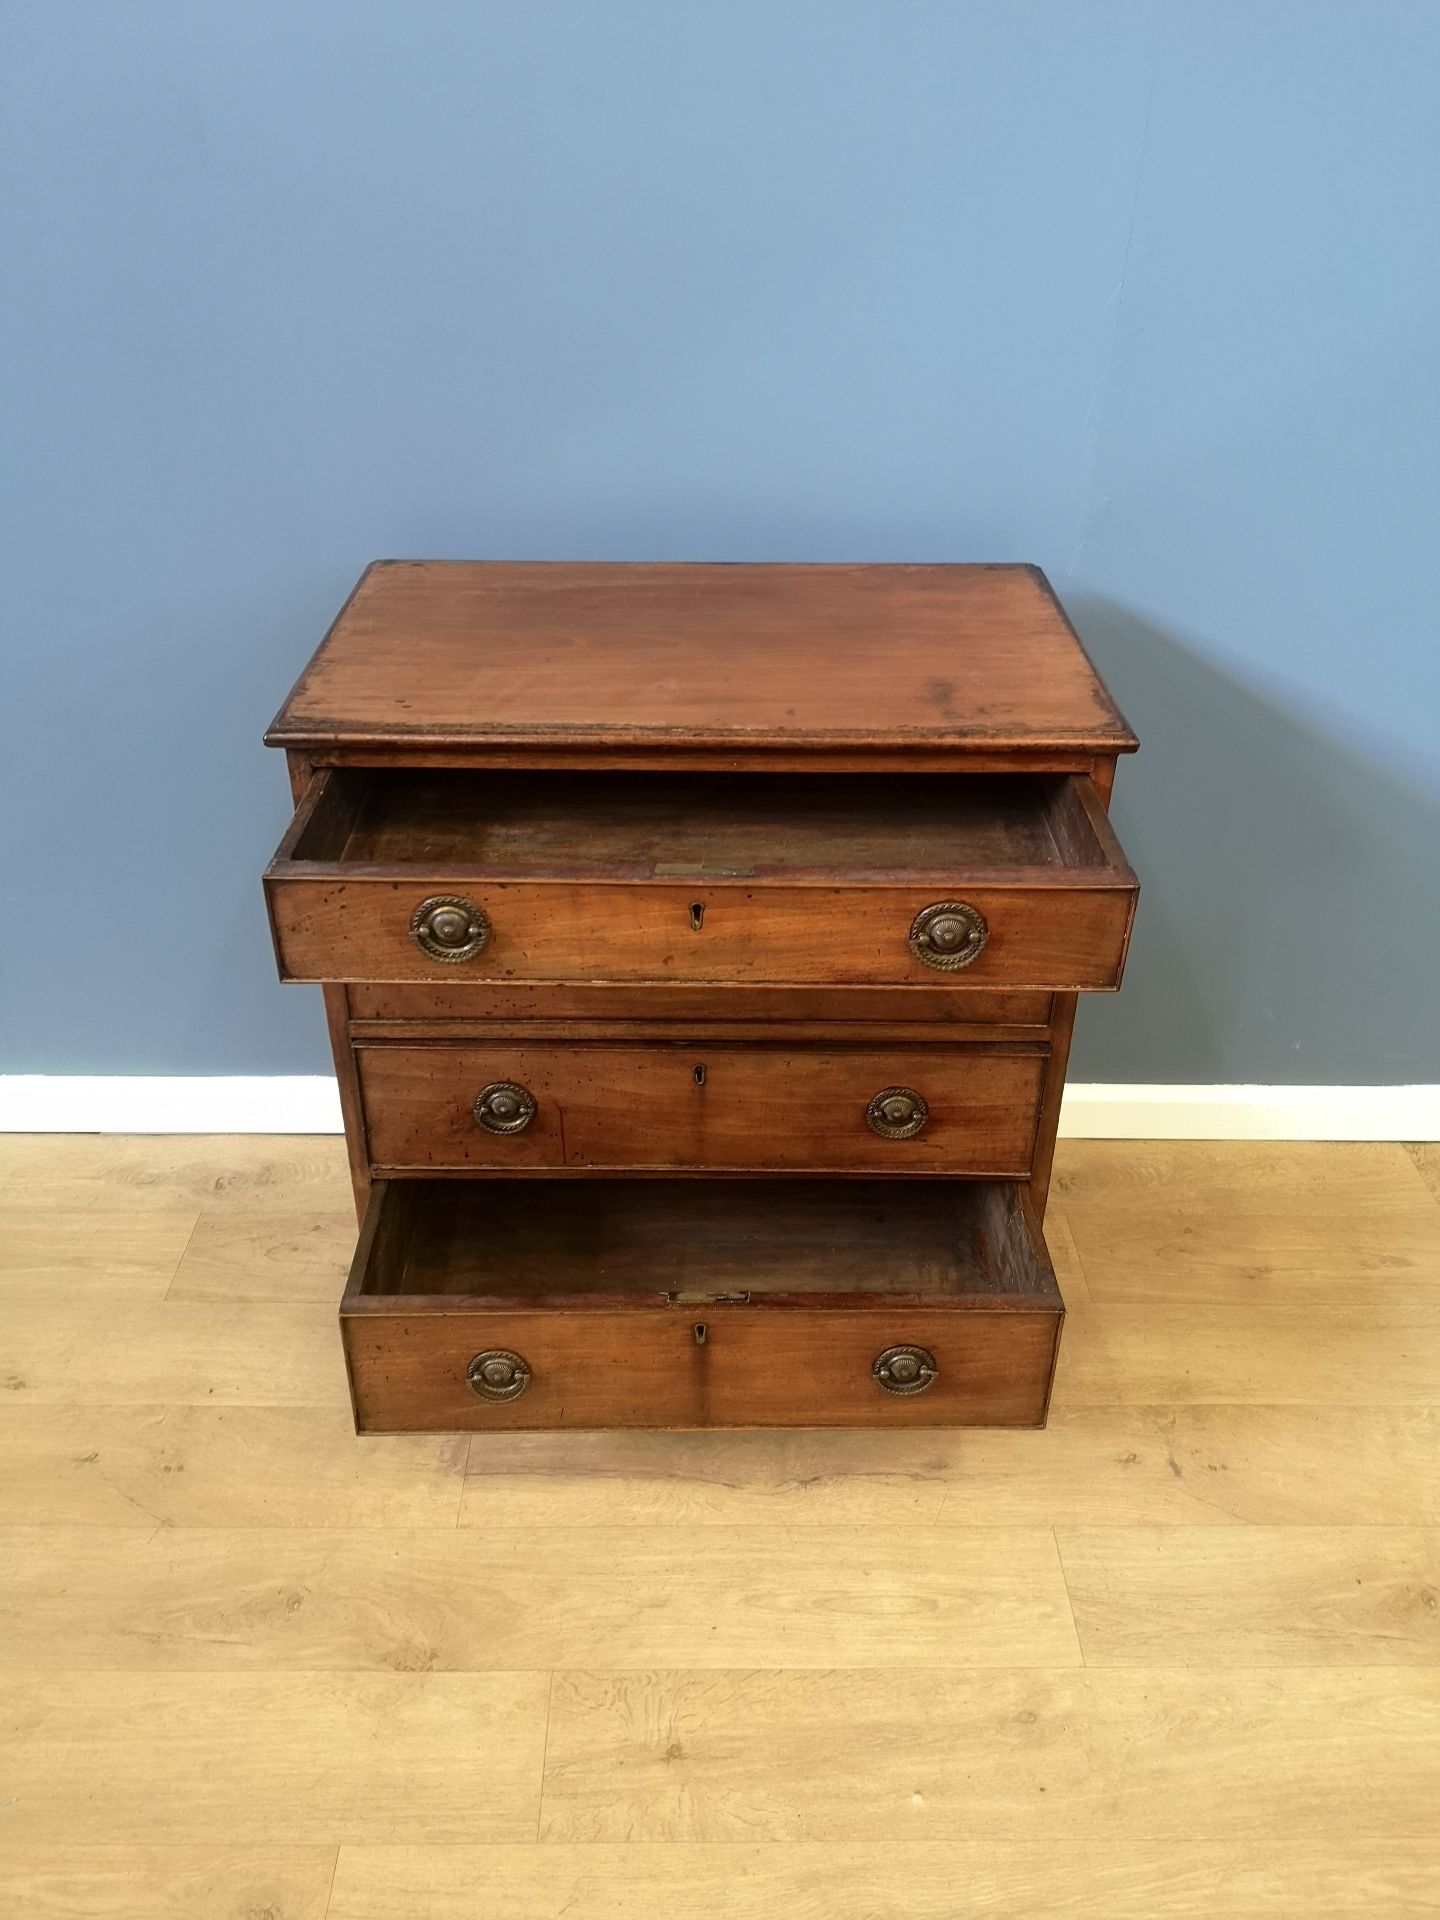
(571,1106)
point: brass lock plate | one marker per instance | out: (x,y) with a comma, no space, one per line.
(705,1299)
(699,870)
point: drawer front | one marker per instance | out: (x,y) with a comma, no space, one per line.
(961,1109)
(1051,936)
(754,1367)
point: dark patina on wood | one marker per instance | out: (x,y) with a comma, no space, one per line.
(701,947)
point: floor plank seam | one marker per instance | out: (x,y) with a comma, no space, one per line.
(175,1270)
(1070,1598)
(1073,1242)
(544,1760)
(1408,1148)
(330,1890)
(462,1474)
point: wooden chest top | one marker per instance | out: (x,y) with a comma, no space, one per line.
(958,662)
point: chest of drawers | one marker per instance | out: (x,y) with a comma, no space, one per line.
(700,950)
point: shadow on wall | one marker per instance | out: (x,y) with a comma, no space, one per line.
(1282,878)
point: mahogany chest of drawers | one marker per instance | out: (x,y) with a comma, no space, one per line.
(700,949)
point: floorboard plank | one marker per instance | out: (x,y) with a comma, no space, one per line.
(1038,1756)
(1158,1465)
(1255,1596)
(90,1256)
(144,1173)
(196,1882)
(432,1600)
(1157,1353)
(239,1254)
(62,1352)
(284,1759)
(1283,1878)
(1243,1223)
(219,1467)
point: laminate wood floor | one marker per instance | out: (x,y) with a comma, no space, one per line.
(1177,1656)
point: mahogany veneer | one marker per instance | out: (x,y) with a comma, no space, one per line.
(700,1304)
(616,876)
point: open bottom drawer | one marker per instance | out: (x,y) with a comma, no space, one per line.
(733,1303)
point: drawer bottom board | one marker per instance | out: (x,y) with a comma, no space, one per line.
(692,1304)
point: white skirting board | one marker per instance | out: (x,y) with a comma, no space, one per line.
(63,1103)
(1103,1112)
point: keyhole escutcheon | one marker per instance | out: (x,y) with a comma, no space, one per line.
(697,915)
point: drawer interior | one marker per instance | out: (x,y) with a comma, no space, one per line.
(608,1244)
(663,826)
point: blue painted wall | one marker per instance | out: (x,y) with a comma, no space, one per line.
(1145,293)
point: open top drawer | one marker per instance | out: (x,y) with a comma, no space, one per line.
(691,1303)
(873,879)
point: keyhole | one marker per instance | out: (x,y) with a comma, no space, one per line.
(700,1076)
(701,1333)
(697,915)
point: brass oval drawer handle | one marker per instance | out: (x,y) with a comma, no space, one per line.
(905,1370)
(504,1107)
(449,927)
(498,1375)
(897,1113)
(948,935)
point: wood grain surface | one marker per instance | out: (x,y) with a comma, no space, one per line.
(1133,1755)
(1173,1658)
(763,882)
(687,1303)
(465,655)
(820,1010)
(1048,934)
(1289,1877)
(676,1108)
